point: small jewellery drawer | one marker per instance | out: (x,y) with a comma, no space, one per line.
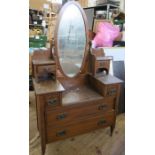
(63,115)
(103,64)
(46,69)
(79,127)
(53,99)
(45,72)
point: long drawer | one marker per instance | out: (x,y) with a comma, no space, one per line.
(65,114)
(79,127)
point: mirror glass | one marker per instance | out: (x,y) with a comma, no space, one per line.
(71,40)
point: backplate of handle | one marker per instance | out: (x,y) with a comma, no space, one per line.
(61,133)
(102,122)
(52,101)
(101,64)
(112,91)
(102,107)
(61,116)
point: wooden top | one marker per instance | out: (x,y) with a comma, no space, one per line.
(79,95)
(43,62)
(109,79)
(49,86)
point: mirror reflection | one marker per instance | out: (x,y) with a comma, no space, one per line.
(71,40)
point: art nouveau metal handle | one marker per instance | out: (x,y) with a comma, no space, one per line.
(102,122)
(52,101)
(61,116)
(112,91)
(61,133)
(102,107)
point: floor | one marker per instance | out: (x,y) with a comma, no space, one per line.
(98,142)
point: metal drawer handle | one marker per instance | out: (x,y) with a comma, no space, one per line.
(61,133)
(102,122)
(101,64)
(52,101)
(112,91)
(102,107)
(61,116)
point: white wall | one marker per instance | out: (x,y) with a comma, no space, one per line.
(118,54)
(122,5)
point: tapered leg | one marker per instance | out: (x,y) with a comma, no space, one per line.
(43,148)
(112,130)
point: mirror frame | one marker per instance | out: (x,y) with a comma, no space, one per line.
(82,68)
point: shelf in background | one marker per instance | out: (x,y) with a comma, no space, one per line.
(35,25)
(101,6)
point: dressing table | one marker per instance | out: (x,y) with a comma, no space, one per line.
(76,101)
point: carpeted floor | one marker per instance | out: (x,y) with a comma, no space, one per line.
(98,142)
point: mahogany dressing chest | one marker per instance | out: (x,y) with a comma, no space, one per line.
(77,100)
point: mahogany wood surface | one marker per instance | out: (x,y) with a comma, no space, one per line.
(44,62)
(80,126)
(49,86)
(91,98)
(80,94)
(65,115)
(109,79)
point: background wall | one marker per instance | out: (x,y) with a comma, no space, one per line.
(122,5)
(37,4)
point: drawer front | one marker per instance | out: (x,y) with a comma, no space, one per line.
(64,115)
(46,69)
(80,127)
(52,100)
(45,72)
(103,64)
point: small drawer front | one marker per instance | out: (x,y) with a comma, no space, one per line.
(80,127)
(52,100)
(111,90)
(45,72)
(46,68)
(64,115)
(103,64)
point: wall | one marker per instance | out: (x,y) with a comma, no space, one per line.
(90,15)
(122,5)
(37,4)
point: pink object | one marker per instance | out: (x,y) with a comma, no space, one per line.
(105,35)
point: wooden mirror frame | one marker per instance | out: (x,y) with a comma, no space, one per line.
(82,68)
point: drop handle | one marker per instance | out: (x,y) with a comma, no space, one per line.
(112,91)
(52,101)
(102,122)
(61,116)
(61,133)
(102,107)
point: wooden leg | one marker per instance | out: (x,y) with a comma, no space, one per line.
(112,130)
(41,122)
(43,148)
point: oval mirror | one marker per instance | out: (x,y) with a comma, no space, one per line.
(71,38)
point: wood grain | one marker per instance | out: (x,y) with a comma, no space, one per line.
(80,126)
(48,86)
(93,143)
(64,115)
